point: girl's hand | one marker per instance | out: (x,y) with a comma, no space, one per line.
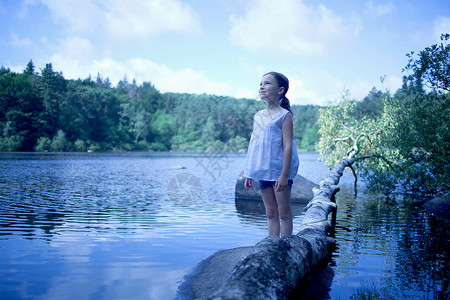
(281,184)
(248,184)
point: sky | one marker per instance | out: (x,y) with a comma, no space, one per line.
(220,47)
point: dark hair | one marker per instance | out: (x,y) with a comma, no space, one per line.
(282,82)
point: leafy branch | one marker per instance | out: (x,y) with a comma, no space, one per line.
(355,149)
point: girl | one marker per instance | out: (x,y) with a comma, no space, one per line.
(272,154)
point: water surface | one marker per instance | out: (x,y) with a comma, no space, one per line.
(115,226)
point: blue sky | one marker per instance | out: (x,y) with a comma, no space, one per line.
(224,47)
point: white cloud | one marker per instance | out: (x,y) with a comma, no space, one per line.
(124,19)
(360,88)
(181,81)
(309,85)
(146,18)
(77,59)
(18,42)
(292,28)
(80,54)
(244,93)
(376,11)
(81,16)
(430,33)
(76,48)
(314,86)
(441,25)
(74,57)
(392,83)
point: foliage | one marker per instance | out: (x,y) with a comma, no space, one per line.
(43,144)
(45,112)
(421,136)
(371,106)
(432,68)
(60,143)
(305,126)
(406,146)
(344,136)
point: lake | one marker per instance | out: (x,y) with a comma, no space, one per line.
(130,226)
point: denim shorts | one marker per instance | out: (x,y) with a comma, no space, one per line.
(267,184)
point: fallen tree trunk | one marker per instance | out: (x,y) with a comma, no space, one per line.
(276,265)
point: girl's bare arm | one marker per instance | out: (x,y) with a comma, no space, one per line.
(288,136)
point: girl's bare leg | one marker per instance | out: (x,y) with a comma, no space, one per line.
(283,200)
(273,218)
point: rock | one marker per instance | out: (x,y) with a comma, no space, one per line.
(440,206)
(210,274)
(301,190)
(178,168)
(274,267)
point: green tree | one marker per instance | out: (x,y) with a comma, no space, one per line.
(11,143)
(310,137)
(371,106)
(421,137)
(80,145)
(52,88)
(305,126)
(163,127)
(407,147)
(91,113)
(30,68)
(60,143)
(43,144)
(209,131)
(432,67)
(20,107)
(136,120)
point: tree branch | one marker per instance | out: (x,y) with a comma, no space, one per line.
(375,156)
(354,175)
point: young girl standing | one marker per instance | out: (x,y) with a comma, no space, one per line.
(272,156)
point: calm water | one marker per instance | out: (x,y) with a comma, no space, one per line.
(93,226)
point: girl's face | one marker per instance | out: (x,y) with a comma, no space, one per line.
(269,89)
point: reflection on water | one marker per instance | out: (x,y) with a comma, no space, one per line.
(254,212)
(392,244)
(130,226)
(119,226)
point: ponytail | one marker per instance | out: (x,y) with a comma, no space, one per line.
(284,103)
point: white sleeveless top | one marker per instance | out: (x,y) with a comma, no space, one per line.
(265,151)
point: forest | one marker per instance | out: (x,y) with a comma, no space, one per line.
(43,111)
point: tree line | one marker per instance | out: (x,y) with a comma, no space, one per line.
(43,111)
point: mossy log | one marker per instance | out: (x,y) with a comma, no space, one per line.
(276,265)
